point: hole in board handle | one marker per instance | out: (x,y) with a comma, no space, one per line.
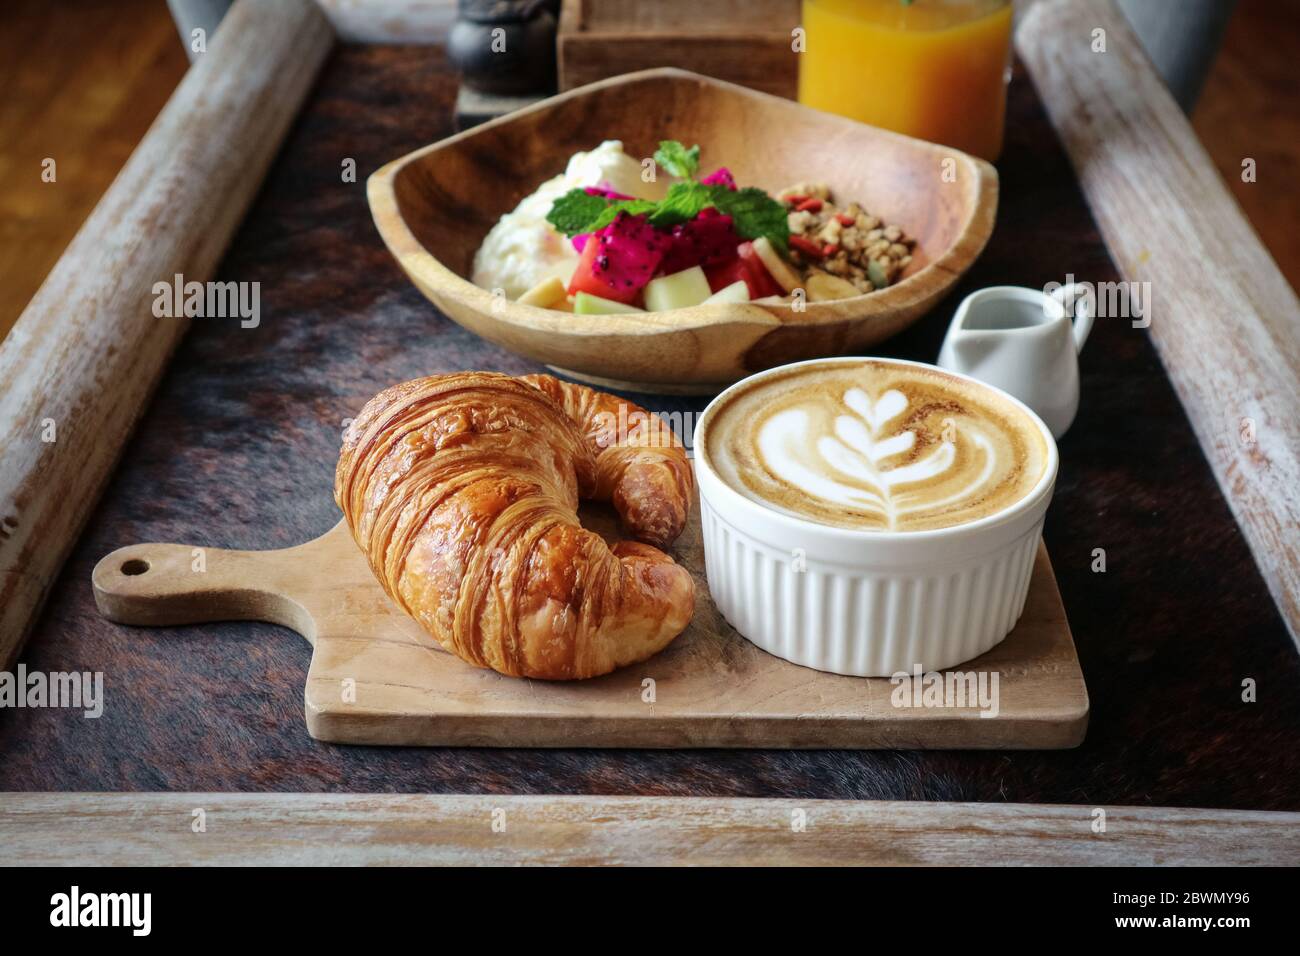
(135,566)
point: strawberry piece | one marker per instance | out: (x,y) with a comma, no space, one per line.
(760,281)
(728,273)
(746,267)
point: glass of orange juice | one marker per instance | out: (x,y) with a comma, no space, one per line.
(934,69)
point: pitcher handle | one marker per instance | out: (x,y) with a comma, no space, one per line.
(1083,310)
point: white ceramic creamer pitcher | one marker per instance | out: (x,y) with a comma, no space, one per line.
(1024,342)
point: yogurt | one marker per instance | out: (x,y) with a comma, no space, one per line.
(523,249)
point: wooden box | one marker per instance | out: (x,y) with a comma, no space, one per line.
(749,42)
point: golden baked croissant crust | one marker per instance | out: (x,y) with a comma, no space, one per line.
(462,490)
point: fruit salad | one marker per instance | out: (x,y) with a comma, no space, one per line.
(639,247)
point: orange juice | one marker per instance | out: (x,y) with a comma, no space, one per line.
(934,69)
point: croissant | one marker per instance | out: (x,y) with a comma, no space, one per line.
(462,491)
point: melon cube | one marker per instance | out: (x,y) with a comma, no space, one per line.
(587,304)
(736,292)
(677,291)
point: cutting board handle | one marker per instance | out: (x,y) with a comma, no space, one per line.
(167,584)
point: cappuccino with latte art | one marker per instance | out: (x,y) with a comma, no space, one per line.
(843,505)
(875,445)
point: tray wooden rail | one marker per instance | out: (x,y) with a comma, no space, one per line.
(1222,316)
(284,829)
(80,365)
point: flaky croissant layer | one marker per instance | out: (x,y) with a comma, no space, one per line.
(462,490)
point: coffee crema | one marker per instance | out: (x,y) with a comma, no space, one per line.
(874,445)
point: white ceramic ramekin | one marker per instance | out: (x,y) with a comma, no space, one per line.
(867,603)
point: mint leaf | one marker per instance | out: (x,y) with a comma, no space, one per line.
(676,160)
(754,213)
(578,211)
(571,213)
(633,207)
(682,202)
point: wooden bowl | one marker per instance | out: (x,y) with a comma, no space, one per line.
(434,206)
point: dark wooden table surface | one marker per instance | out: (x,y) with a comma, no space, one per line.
(238,450)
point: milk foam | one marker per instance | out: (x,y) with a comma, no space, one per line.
(877,446)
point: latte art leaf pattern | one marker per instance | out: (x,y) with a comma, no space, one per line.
(906,454)
(858,467)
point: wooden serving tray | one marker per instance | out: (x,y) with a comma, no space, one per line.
(377,678)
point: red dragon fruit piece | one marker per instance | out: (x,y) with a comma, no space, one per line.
(620,259)
(720,177)
(580,240)
(708,240)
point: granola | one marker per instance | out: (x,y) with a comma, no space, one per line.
(841,250)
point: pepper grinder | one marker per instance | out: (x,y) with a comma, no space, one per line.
(505,51)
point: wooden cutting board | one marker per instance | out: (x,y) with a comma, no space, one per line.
(377,678)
